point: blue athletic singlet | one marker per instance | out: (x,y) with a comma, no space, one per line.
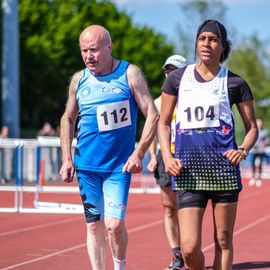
(204,131)
(107,121)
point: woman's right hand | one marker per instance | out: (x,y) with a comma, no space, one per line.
(173,166)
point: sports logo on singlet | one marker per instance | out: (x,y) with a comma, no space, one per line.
(85,92)
(113,116)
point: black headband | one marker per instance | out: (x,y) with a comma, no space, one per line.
(217,29)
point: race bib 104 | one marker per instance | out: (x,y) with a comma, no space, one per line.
(200,112)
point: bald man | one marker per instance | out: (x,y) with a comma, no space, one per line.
(105,98)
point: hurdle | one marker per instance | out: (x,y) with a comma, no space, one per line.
(16,145)
(19,189)
(28,160)
(40,187)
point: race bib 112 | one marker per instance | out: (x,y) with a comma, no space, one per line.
(113,116)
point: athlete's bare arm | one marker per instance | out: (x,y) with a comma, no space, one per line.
(172,165)
(246,110)
(67,125)
(151,166)
(145,102)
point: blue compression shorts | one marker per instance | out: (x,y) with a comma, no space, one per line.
(103,194)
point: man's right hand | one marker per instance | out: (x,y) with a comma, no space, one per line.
(67,172)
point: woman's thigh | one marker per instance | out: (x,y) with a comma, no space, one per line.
(224,215)
(190,223)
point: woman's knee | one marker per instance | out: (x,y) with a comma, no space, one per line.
(223,240)
(189,251)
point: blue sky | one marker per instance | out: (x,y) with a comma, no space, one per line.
(246,16)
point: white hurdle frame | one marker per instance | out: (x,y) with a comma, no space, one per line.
(16,145)
(19,189)
(41,206)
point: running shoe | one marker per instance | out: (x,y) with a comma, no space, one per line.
(258,183)
(177,263)
(252,182)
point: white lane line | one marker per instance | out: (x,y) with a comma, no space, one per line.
(55,223)
(39,226)
(44,257)
(139,228)
(152,224)
(248,226)
(130,231)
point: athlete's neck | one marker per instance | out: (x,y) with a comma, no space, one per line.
(112,65)
(207,72)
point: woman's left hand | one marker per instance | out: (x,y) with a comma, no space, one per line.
(234,156)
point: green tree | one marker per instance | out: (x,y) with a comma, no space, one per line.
(248,58)
(251,61)
(49,32)
(252,68)
(194,13)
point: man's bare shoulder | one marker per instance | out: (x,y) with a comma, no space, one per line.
(133,69)
(135,76)
(74,80)
(77,75)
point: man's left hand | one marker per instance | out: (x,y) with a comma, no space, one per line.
(133,165)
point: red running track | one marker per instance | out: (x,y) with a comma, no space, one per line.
(57,241)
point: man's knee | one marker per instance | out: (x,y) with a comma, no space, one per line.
(94,227)
(114,225)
